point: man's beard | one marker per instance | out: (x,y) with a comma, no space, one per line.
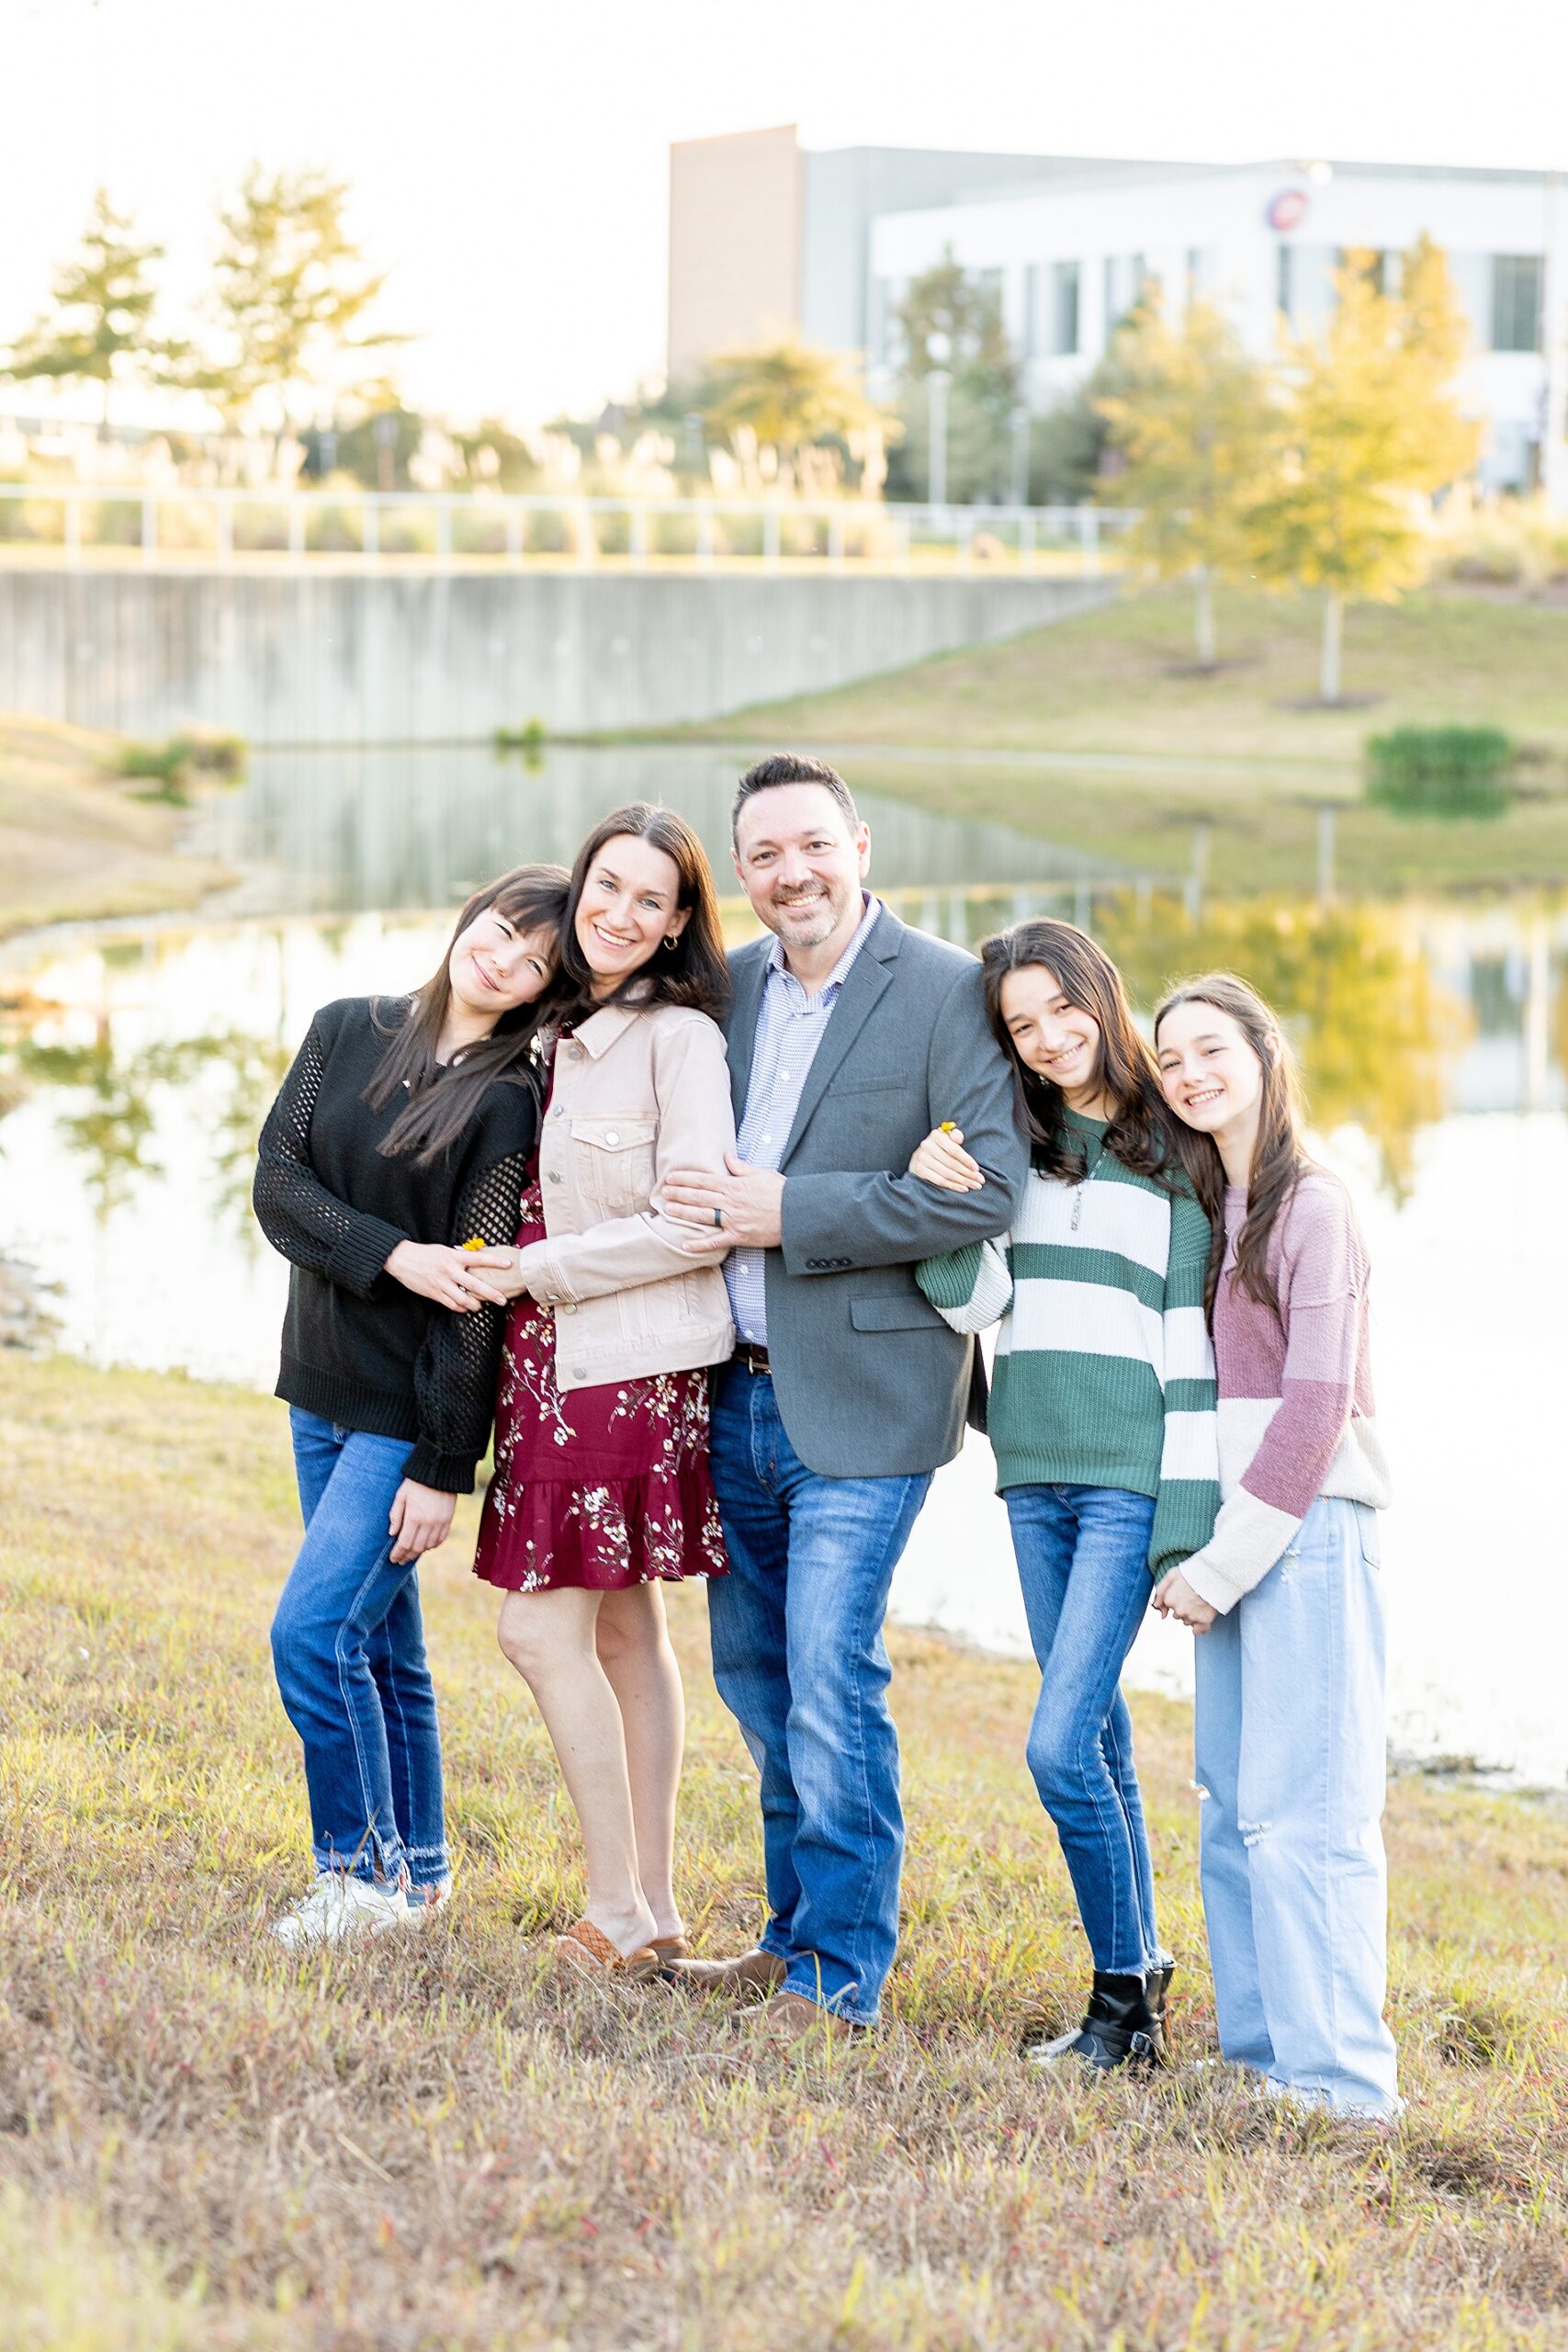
(823,914)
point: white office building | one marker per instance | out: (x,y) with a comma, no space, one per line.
(768,237)
(1262,240)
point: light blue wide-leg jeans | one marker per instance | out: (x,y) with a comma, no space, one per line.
(1291,1759)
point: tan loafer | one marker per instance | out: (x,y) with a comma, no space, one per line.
(586,1951)
(749,1976)
(793,2021)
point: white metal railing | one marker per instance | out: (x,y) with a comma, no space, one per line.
(221,527)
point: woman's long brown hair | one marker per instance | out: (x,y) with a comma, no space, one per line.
(1140,1133)
(693,972)
(442,1101)
(1279,1156)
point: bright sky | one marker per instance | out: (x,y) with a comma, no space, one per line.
(509,164)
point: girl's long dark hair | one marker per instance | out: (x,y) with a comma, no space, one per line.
(442,1101)
(693,972)
(1279,1156)
(1140,1132)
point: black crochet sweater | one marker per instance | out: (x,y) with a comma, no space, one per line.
(358,1348)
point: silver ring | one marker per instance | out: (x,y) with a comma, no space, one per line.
(718,1216)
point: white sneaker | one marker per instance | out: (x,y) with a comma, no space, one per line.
(425,1901)
(339,1906)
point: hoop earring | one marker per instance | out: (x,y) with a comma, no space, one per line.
(671,940)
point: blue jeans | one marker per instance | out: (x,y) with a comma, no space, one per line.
(1083,1561)
(1290,1758)
(800,1662)
(348,1648)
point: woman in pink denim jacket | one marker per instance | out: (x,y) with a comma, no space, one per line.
(601,1493)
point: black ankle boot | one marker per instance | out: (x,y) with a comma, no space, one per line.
(1123,2027)
(1157,1985)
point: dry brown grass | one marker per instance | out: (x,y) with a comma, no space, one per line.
(422,2141)
(74,842)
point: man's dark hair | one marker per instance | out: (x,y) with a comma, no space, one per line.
(791,767)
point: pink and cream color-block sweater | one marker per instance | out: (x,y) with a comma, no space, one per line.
(1295,1391)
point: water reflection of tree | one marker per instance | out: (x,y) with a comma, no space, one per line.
(1373,1030)
(256,1067)
(111,1133)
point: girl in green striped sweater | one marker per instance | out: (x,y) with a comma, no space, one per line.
(1102,1418)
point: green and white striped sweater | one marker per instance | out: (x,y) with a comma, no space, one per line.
(1104,1370)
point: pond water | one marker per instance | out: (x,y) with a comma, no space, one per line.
(138,1060)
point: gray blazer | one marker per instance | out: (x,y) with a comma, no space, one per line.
(870,1382)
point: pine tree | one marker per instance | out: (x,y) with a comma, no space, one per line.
(1370,425)
(291,295)
(99,331)
(1195,425)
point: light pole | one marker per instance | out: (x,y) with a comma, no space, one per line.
(939,348)
(1021,457)
(1553,326)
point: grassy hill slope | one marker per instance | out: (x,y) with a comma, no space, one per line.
(75,844)
(426,2141)
(1120,680)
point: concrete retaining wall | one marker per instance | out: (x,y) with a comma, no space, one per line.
(352,657)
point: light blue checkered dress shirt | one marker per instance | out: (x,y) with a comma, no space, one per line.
(790,1027)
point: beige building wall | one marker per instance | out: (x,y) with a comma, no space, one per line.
(736,213)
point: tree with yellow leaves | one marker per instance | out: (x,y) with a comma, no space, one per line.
(1370,425)
(790,396)
(1375,1032)
(1195,424)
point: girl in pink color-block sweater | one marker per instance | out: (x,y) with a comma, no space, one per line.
(1286,1594)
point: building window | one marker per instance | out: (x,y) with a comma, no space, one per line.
(1128,281)
(1304,286)
(1064,309)
(884,335)
(1032,277)
(1472,276)
(1516,301)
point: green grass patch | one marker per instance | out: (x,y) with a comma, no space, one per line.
(1440,771)
(172,764)
(427,2142)
(530,739)
(1120,679)
(1249,831)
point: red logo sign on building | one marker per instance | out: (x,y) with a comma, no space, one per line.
(1289,209)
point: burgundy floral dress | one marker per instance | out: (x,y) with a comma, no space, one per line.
(602,1488)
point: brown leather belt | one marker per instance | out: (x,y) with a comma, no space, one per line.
(755,1359)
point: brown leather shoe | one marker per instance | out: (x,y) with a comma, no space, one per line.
(749,1976)
(793,2019)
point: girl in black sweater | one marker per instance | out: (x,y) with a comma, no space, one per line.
(405,1129)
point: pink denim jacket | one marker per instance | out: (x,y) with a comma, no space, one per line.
(637,1091)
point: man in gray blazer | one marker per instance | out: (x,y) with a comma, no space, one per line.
(850,1037)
